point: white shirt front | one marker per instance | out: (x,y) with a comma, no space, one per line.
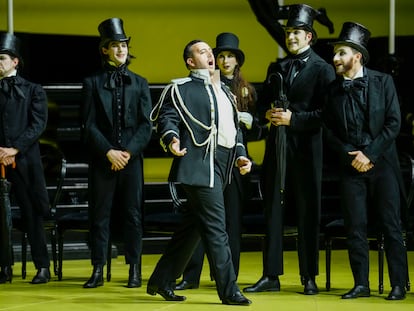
(226,128)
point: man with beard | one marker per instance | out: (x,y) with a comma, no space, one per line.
(362,120)
(305,76)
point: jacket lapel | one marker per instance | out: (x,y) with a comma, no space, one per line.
(373,99)
(129,92)
(105,96)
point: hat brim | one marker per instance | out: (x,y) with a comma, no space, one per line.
(9,52)
(303,26)
(239,54)
(115,38)
(356,46)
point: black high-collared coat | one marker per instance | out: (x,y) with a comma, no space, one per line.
(197,166)
(98,101)
(384,118)
(303,162)
(23,115)
(23,121)
(380,191)
(116,197)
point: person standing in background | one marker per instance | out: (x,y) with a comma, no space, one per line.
(229,59)
(362,120)
(23,113)
(305,76)
(117,128)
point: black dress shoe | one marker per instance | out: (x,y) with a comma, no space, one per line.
(134,279)
(310,287)
(166,293)
(265,284)
(96,278)
(42,276)
(6,274)
(397,293)
(236,299)
(357,291)
(186,285)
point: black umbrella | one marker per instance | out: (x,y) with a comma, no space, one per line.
(280,139)
(5,218)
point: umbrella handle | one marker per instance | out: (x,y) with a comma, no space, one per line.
(3,169)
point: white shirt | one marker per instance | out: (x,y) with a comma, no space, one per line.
(226,129)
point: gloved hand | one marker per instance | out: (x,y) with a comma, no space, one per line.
(246,118)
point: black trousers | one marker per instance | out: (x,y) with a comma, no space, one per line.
(302,198)
(379,188)
(116,193)
(205,220)
(32,222)
(234,198)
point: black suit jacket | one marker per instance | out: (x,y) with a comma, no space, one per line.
(384,122)
(304,135)
(384,118)
(194,123)
(98,115)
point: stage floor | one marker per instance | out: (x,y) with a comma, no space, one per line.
(68,294)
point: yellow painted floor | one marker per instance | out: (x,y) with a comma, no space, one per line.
(68,294)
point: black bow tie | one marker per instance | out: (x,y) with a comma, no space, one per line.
(117,77)
(358,83)
(293,64)
(7,85)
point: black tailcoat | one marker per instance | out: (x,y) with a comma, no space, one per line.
(121,190)
(382,186)
(303,164)
(23,120)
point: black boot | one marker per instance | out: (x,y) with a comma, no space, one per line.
(42,276)
(134,279)
(6,274)
(96,278)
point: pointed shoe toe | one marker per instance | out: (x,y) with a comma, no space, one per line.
(357,291)
(167,294)
(236,299)
(397,293)
(265,284)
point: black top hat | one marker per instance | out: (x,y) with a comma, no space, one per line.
(301,16)
(227,41)
(9,44)
(112,30)
(356,36)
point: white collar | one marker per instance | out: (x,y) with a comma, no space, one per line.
(304,49)
(12,74)
(203,74)
(300,51)
(359,74)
